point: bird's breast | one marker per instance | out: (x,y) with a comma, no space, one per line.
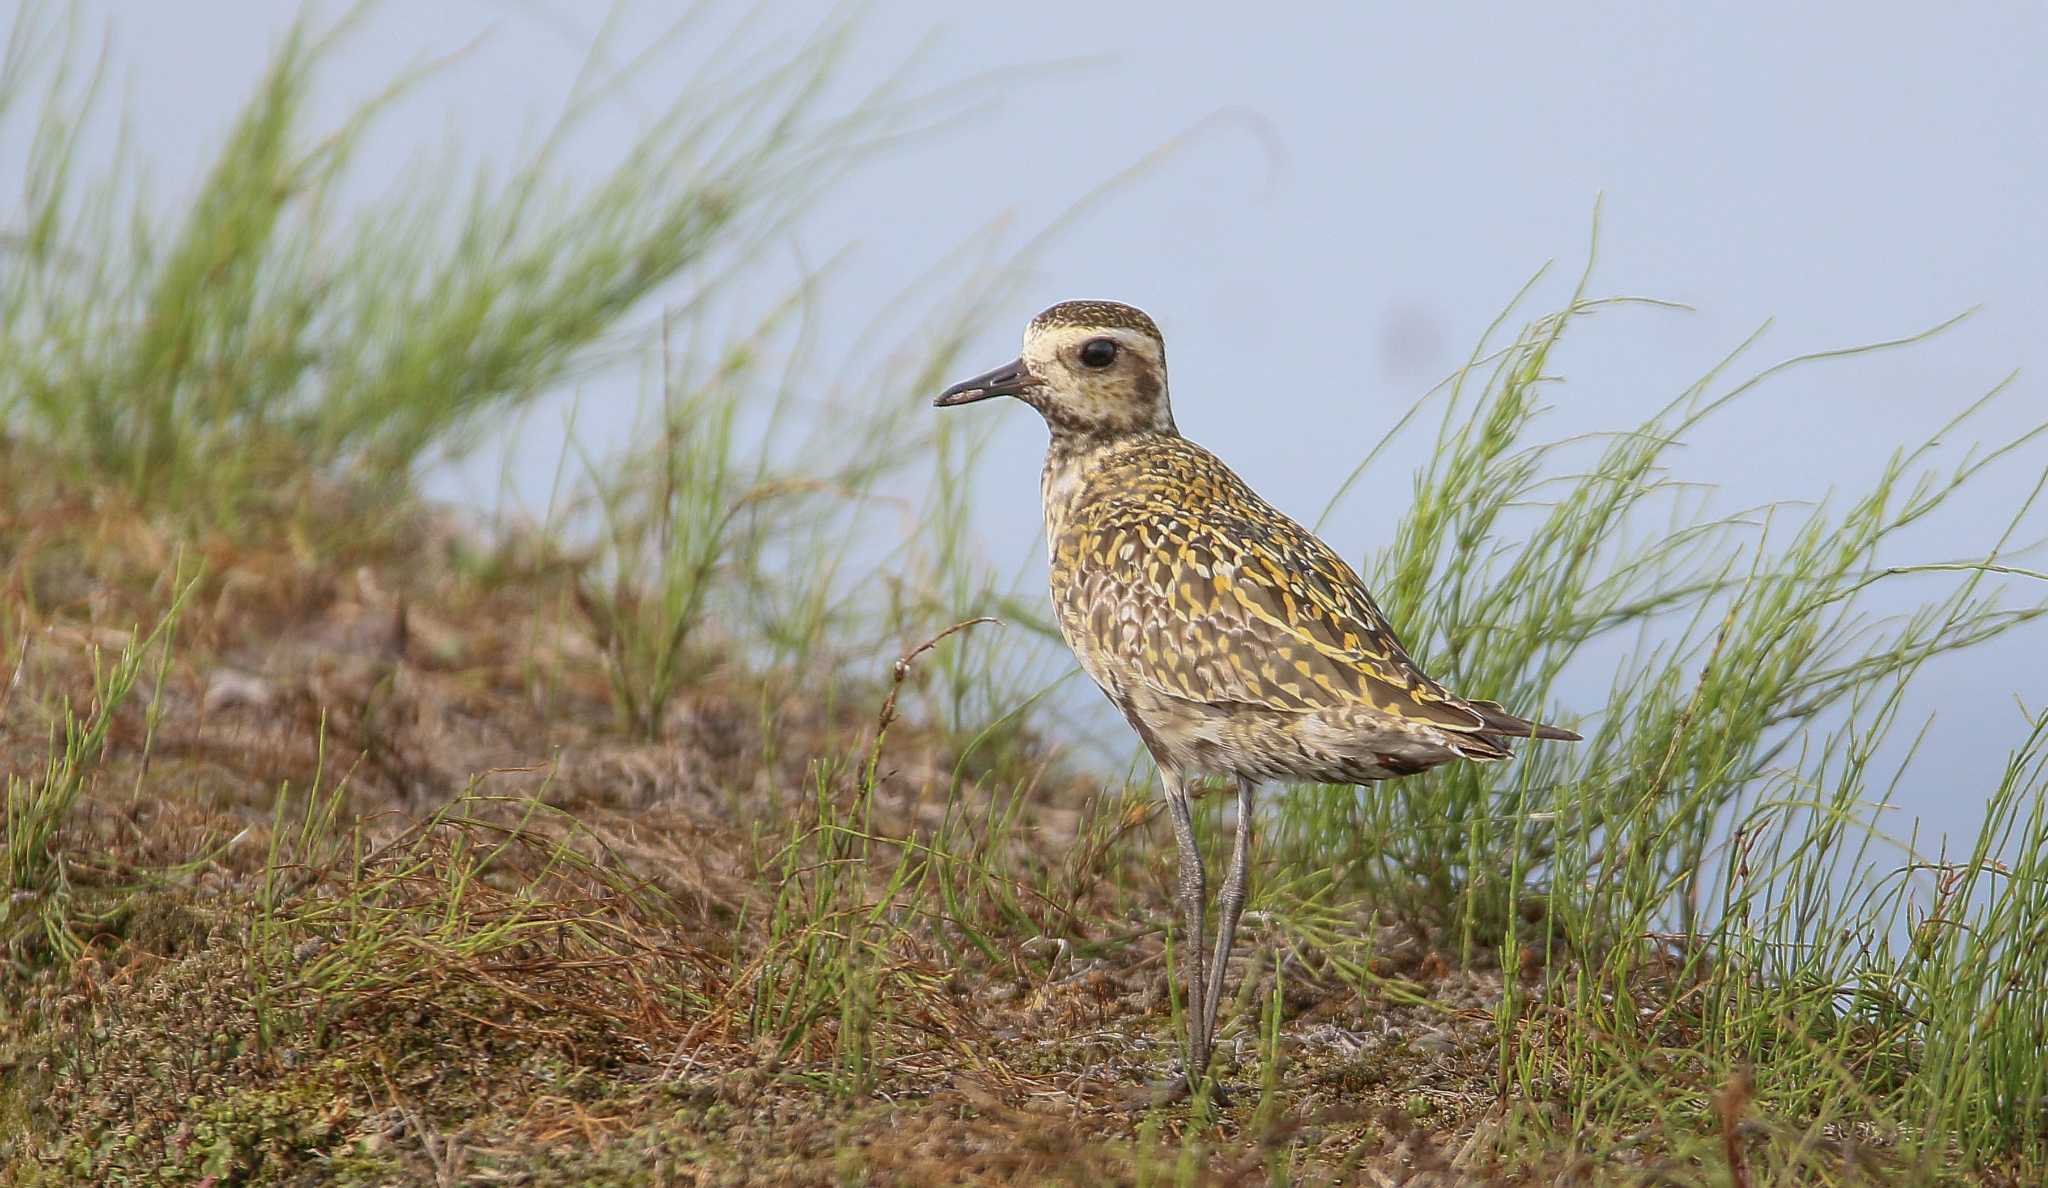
(1060,485)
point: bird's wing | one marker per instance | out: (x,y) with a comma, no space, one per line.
(1247,609)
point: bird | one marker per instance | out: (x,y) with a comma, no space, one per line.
(1235,642)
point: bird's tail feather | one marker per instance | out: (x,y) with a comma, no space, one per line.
(1499,721)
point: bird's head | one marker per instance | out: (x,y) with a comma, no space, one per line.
(1090,368)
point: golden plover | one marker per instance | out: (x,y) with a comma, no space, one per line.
(1235,642)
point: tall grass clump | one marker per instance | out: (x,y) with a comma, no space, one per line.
(802,514)
(763,501)
(269,338)
(1705,875)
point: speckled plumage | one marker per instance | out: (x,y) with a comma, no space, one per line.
(1092,314)
(1234,641)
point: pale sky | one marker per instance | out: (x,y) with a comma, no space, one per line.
(1380,180)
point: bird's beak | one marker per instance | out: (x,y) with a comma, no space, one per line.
(1008,380)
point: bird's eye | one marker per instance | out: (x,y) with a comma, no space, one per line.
(1098,352)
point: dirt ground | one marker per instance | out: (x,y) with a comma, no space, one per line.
(367,885)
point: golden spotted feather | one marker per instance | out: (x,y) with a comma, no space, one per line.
(1169,574)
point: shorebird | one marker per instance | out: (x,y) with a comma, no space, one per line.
(1235,642)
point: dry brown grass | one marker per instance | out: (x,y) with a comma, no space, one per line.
(372,886)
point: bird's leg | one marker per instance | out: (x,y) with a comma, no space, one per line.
(1194,891)
(1229,906)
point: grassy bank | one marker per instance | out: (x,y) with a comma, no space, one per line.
(702,834)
